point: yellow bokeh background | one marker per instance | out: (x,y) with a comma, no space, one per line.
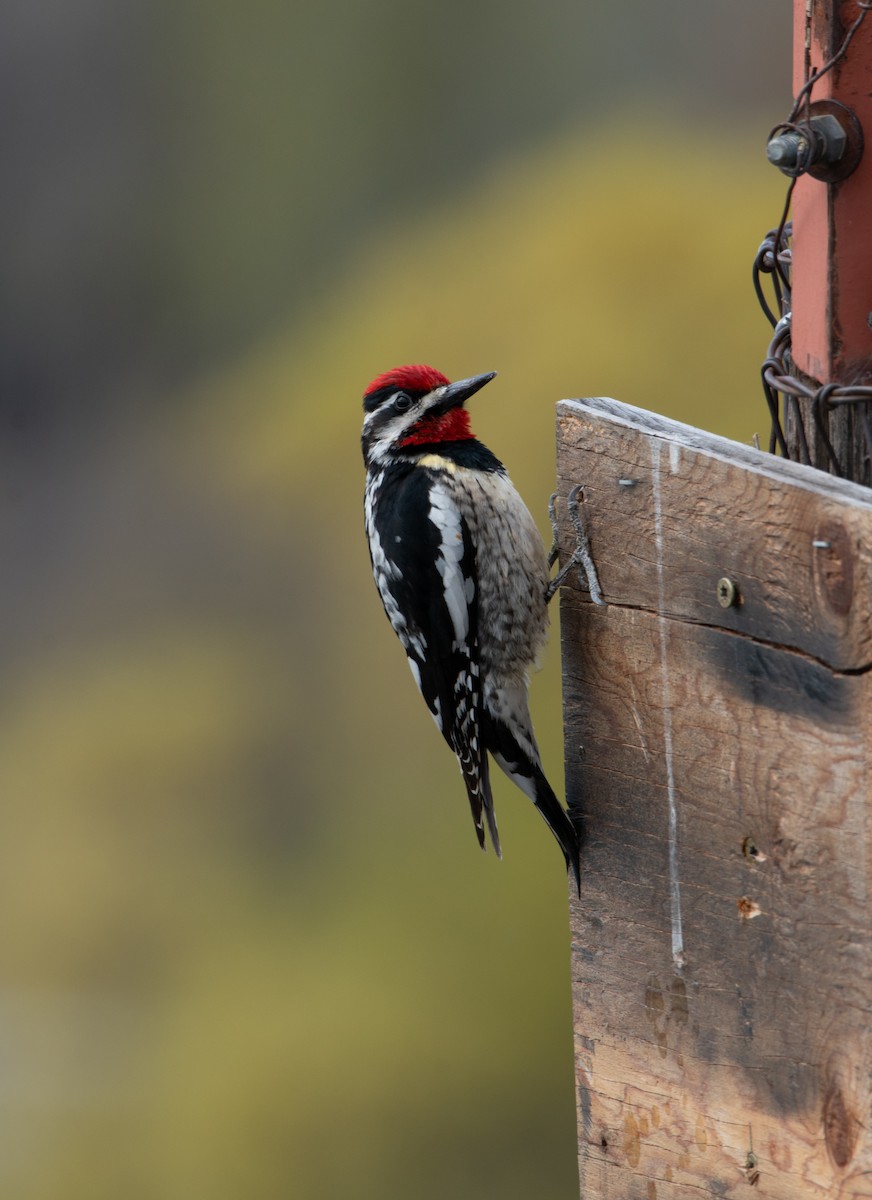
(251,947)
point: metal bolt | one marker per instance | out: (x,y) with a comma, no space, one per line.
(786,151)
(820,141)
(727,592)
(827,145)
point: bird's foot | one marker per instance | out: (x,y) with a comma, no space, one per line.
(581,557)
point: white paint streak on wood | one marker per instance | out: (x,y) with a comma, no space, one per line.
(674,881)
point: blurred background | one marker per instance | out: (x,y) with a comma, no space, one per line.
(249,944)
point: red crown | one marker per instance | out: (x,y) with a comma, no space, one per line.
(413,379)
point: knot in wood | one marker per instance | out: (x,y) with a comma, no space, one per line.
(840,1127)
(834,567)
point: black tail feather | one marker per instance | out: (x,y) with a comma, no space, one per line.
(478,789)
(476,775)
(560,823)
(475,806)
(526,773)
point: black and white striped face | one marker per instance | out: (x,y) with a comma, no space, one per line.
(414,406)
(390,416)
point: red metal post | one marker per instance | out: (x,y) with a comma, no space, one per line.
(832,222)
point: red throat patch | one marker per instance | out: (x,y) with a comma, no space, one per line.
(451,426)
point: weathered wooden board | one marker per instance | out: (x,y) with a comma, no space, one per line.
(680,516)
(722,949)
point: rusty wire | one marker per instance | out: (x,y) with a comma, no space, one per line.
(804,94)
(782,386)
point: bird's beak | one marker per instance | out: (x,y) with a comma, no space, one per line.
(457,393)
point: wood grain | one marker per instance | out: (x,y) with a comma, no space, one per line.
(798,553)
(722,952)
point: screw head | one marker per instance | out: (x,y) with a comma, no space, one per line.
(727,593)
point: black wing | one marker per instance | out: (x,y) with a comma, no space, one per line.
(424,565)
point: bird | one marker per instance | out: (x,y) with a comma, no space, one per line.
(463,576)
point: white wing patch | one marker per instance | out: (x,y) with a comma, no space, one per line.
(436,710)
(458,591)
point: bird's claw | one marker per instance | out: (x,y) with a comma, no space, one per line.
(581,557)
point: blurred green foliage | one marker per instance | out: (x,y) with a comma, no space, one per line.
(251,947)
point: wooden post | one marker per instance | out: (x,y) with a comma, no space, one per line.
(832,234)
(832,222)
(718,716)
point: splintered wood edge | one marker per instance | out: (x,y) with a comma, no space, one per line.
(760,461)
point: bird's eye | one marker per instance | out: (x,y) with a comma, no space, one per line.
(402,402)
